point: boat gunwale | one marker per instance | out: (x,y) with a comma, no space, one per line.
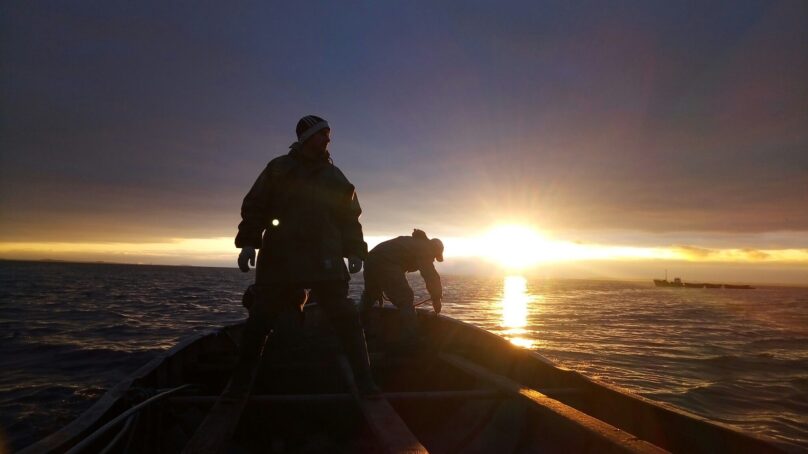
(615,390)
(73,432)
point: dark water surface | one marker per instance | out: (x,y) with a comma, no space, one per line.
(70,331)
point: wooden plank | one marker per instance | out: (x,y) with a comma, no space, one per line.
(219,425)
(463,425)
(502,432)
(609,438)
(390,430)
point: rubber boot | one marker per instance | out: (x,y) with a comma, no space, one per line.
(369,318)
(357,350)
(252,343)
(364,310)
(252,338)
(287,335)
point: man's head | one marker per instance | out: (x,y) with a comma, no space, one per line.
(314,135)
(437,246)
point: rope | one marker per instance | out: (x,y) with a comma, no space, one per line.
(119,435)
(385,298)
(103,429)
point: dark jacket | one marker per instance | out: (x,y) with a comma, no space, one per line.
(317,215)
(407,254)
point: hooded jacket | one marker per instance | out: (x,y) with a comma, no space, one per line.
(304,216)
(405,254)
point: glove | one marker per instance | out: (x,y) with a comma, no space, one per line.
(354,264)
(436,305)
(247,255)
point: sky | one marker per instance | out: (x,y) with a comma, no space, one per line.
(627,137)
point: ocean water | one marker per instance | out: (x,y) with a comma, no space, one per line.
(68,332)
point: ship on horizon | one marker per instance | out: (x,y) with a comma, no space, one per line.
(678,283)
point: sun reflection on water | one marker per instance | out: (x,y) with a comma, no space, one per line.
(515,301)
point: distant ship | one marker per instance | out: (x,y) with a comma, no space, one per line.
(666,283)
(678,283)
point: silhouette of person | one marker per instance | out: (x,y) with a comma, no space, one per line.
(302,213)
(385,274)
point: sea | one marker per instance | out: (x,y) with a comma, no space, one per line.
(70,331)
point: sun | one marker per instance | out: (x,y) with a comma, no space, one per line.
(515,246)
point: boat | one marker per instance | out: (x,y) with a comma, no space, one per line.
(666,283)
(465,390)
(678,283)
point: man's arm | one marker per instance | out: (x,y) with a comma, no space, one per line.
(254,212)
(353,240)
(431,279)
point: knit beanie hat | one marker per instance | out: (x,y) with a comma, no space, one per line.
(308,126)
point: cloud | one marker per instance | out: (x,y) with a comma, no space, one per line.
(756,255)
(694,253)
(569,116)
(741,255)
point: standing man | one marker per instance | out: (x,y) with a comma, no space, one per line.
(385,273)
(303,215)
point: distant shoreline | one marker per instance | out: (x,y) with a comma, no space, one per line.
(102,262)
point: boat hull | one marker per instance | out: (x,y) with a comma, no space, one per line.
(667,283)
(467,390)
(679,284)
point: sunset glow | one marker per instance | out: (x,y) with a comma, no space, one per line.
(172,251)
(515,246)
(510,247)
(518,247)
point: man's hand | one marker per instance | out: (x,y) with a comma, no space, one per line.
(436,305)
(247,255)
(354,264)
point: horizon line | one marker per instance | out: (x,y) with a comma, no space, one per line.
(529,275)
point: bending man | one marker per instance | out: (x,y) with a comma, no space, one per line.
(385,274)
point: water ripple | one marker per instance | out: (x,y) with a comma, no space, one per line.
(70,331)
